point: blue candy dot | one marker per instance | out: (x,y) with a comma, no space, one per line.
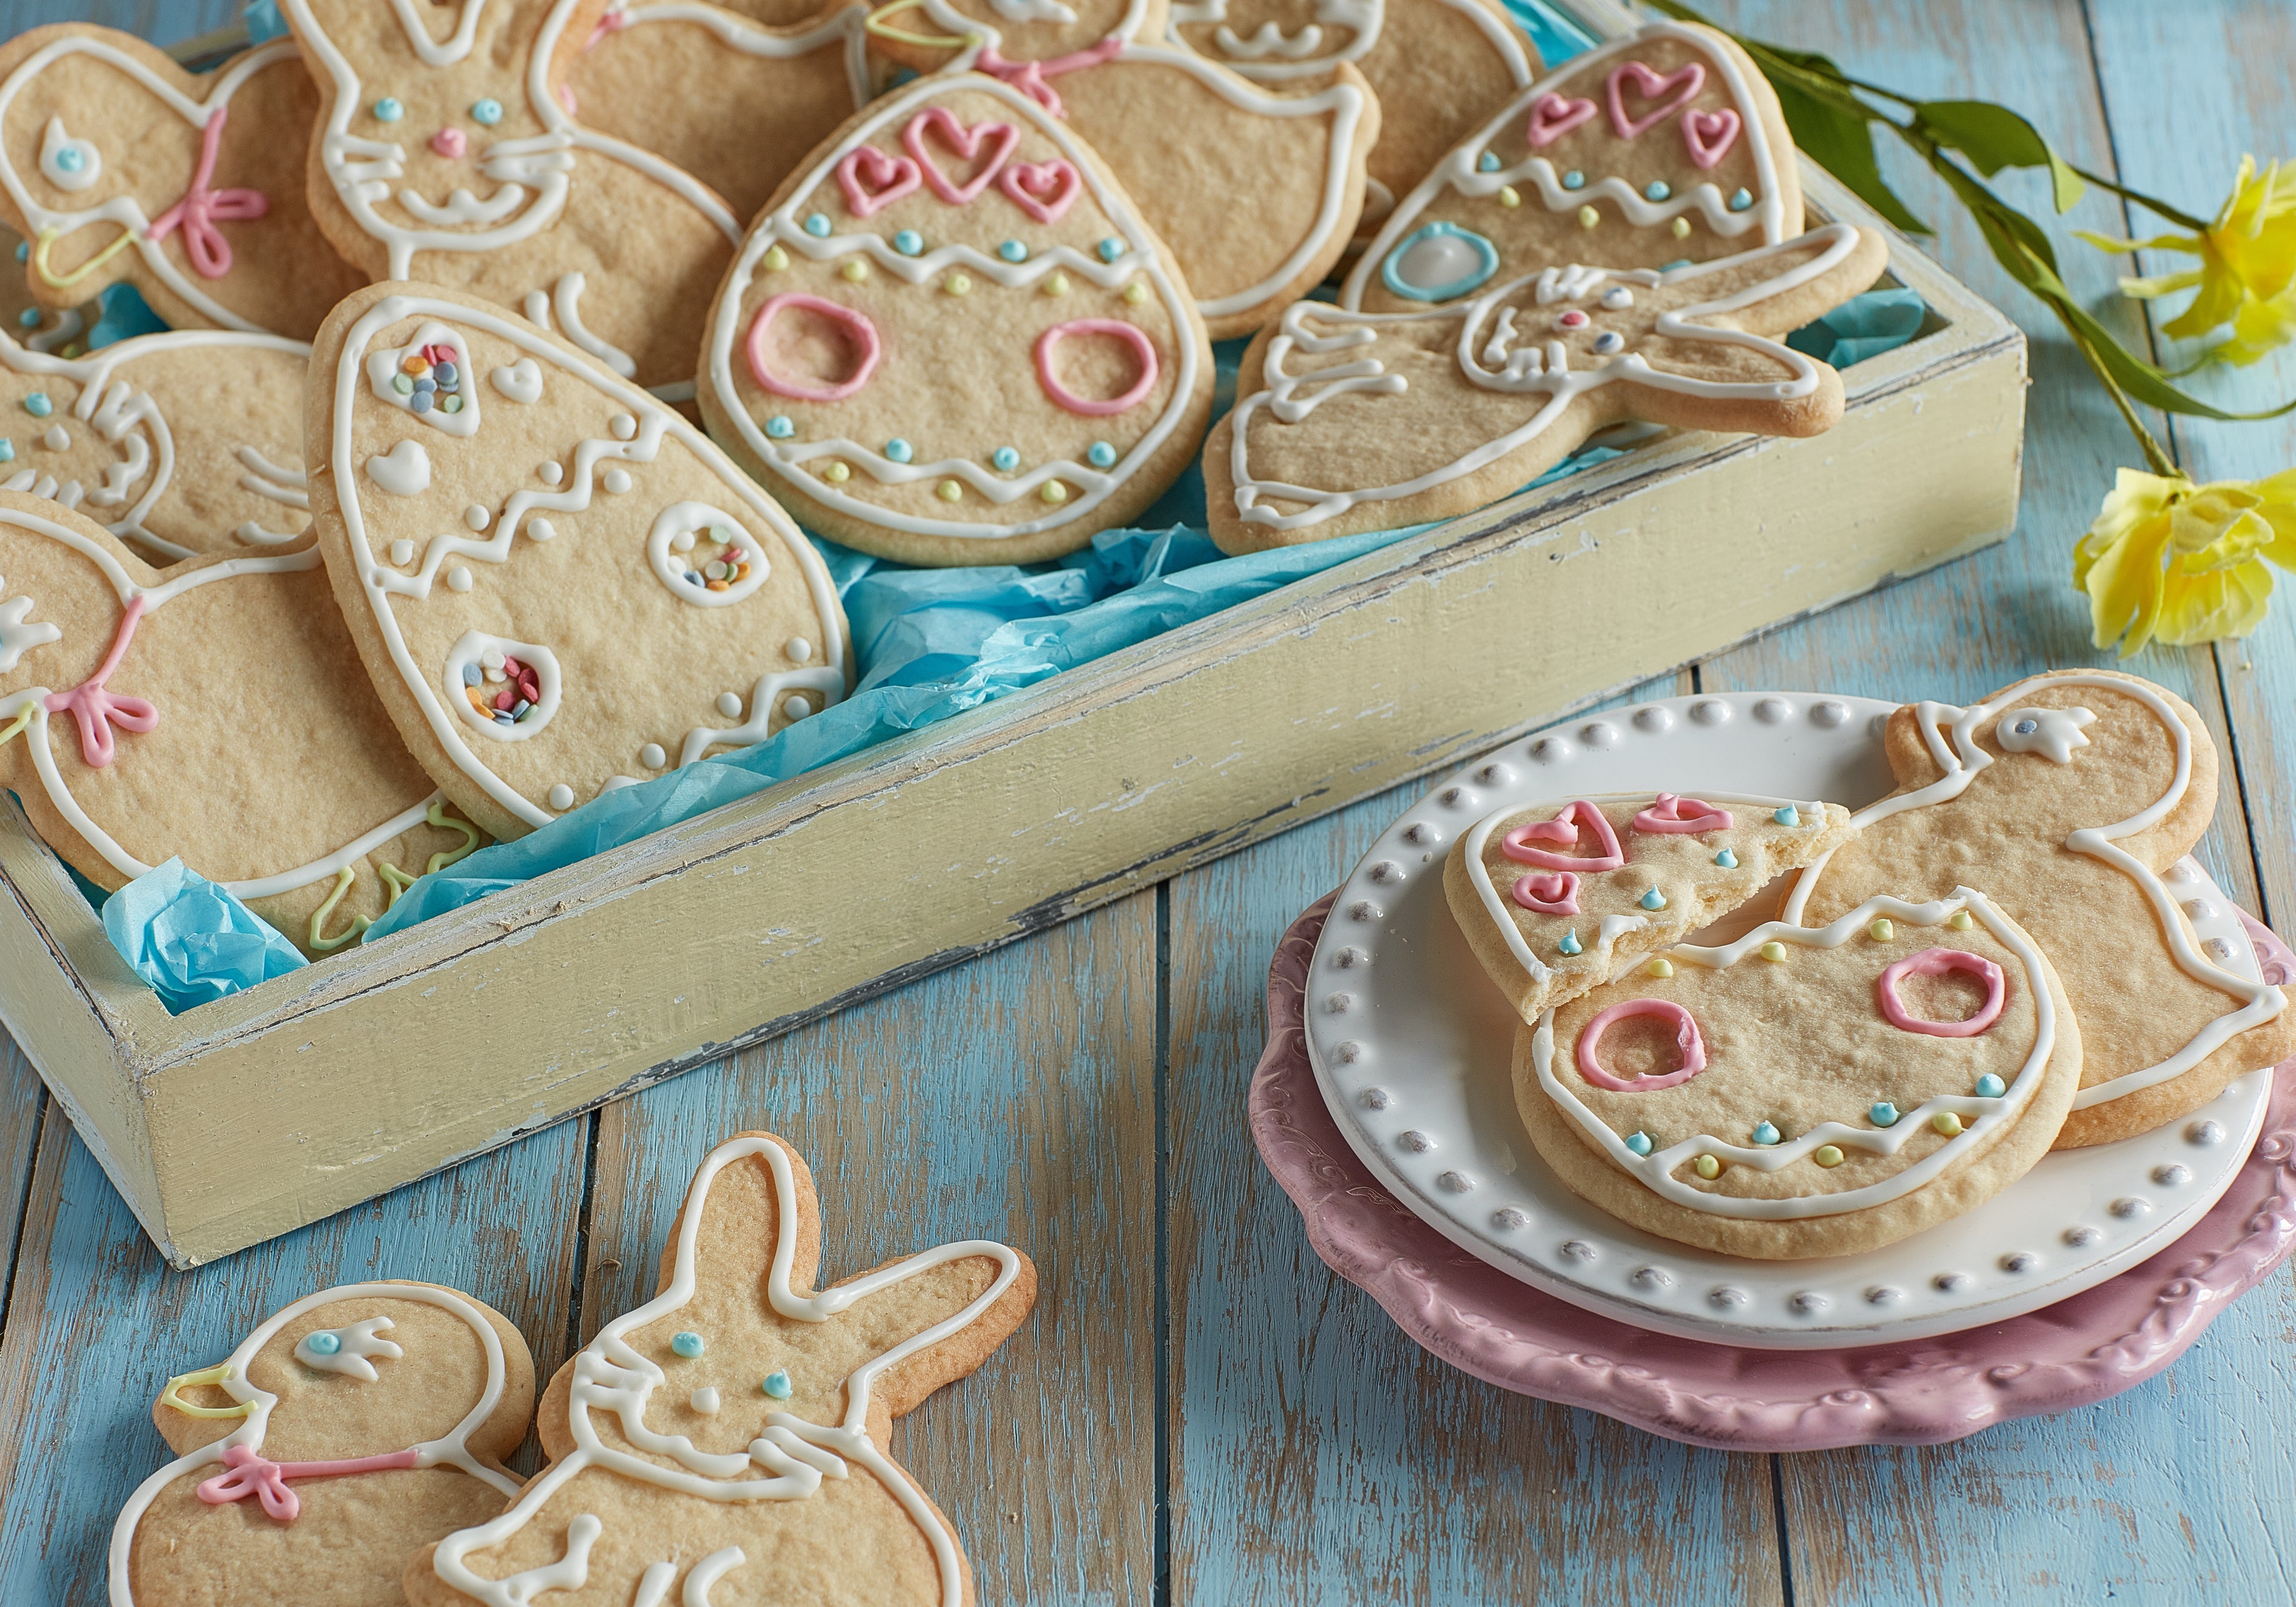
(1787,816)
(687,1344)
(388,111)
(899,450)
(1639,1143)
(1740,199)
(1989,1087)
(39,405)
(71,158)
(908,242)
(1111,249)
(818,225)
(488,111)
(1006,459)
(325,1344)
(30,318)
(780,427)
(1100,454)
(1658,190)
(1012,250)
(1727,860)
(1574,180)
(1766,1133)
(1884,1114)
(1487,162)
(2024,727)
(777,1384)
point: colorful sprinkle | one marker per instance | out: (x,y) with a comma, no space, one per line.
(777,1385)
(1989,1087)
(1639,1143)
(950,491)
(818,225)
(1487,162)
(1574,180)
(1055,492)
(1726,859)
(487,112)
(781,426)
(855,270)
(908,242)
(1653,899)
(1509,196)
(1774,951)
(1012,250)
(1100,455)
(1882,930)
(837,474)
(776,260)
(1006,459)
(1682,228)
(1827,1155)
(687,1344)
(1740,199)
(1588,217)
(1787,816)
(1961,920)
(899,450)
(1947,1123)
(325,1344)
(1883,1114)
(39,405)
(387,109)
(1707,1167)
(1657,190)
(1057,285)
(1571,944)
(958,284)
(1662,967)
(1111,249)
(1766,1133)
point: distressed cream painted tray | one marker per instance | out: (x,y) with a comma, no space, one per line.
(246,1118)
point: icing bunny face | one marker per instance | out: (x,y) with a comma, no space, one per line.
(958,229)
(1800,1075)
(1344,436)
(1665,147)
(130,436)
(563,586)
(721,1406)
(387,1405)
(123,695)
(119,165)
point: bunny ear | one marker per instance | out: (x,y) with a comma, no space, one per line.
(751,1229)
(117,165)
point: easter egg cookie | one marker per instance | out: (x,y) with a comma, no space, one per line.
(214,713)
(737,1427)
(2076,795)
(1557,898)
(1809,1090)
(558,584)
(355,1426)
(952,338)
(117,164)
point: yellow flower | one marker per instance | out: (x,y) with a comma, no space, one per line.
(2171,561)
(2247,275)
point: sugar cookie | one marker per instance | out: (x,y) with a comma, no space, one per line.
(1809,1090)
(52,332)
(736,1426)
(2072,793)
(350,1429)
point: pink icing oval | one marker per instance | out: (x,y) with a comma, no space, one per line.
(1936,963)
(863,332)
(1686,1037)
(1143,353)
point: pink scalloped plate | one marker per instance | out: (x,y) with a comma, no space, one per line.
(2073,1354)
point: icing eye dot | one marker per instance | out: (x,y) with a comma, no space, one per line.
(1006,459)
(325,1344)
(908,242)
(777,1384)
(1574,180)
(687,1344)
(899,450)
(39,405)
(2027,727)
(818,225)
(1012,250)
(1608,341)
(1100,454)
(1740,199)
(1111,249)
(1639,1143)
(780,427)
(1658,190)
(388,111)
(487,112)
(1618,298)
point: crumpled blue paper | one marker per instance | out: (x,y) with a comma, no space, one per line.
(263,20)
(191,941)
(1862,327)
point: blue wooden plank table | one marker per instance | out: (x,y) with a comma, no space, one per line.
(1199,1411)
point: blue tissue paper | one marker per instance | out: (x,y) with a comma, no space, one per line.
(191,941)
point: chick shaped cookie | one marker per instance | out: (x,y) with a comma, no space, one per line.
(1353,421)
(1809,1090)
(1663,148)
(1557,898)
(350,1429)
(736,1426)
(952,338)
(445,152)
(2075,794)
(214,713)
(558,585)
(1256,192)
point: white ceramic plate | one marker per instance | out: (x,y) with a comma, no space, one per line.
(1411,1045)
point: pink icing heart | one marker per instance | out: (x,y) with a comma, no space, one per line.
(965,142)
(1564,829)
(1552,117)
(1043,190)
(450,144)
(872,180)
(1709,135)
(1678,86)
(1548,893)
(1668,815)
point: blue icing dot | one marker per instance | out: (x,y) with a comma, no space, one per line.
(899,450)
(388,111)
(1740,199)
(1787,816)
(1439,262)
(777,1384)
(1727,860)
(1012,250)
(1658,190)
(1571,944)
(1653,899)
(71,158)
(818,225)
(1989,1087)
(1639,1143)
(687,1344)
(1574,180)
(1100,454)
(1111,249)
(2023,727)
(1766,1133)
(7,450)
(30,318)
(1884,1114)
(908,242)
(23,250)
(488,111)
(39,405)
(1487,162)
(780,427)
(325,1344)
(1006,459)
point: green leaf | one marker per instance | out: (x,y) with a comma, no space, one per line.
(1994,137)
(1843,146)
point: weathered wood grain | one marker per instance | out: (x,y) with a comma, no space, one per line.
(1010,1098)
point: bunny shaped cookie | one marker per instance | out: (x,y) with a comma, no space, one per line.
(736,1427)
(216,713)
(2076,795)
(445,152)
(116,164)
(1353,421)
(1255,192)
(1809,1090)
(350,1429)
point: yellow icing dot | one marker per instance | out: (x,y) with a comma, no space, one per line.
(1055,492)
(1136,291)
(1662,967)
(776,260)
(854,269)
(1881,931)
(1947,1123)
(950,491)
(1588,217)
(1707,1167)
(1509,196)
(1827,1155)
(1057,285)
(1682,228)
(1774,951)
(1961,920)
(837,474)
(958,284)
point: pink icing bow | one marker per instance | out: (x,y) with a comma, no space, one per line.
(96,710)
(1029,76)
(1516,844)
(1667,815)
(200,208)
(254,1474)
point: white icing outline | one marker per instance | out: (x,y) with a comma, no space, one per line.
(609,1375)
(453,1449)
(785,227)
(683,517)
(1964,758)
(1526,370)
(1269,55)
(125,210)
(1655,1171)
(1457,169)
(572,495)
(383,368)
(850,25)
